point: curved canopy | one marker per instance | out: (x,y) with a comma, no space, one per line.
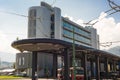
(42,44)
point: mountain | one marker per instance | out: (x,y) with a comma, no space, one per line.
(115,50)
(5,64)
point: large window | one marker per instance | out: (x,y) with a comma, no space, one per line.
(77,37)
(81,36)
(77,29)
(68,33)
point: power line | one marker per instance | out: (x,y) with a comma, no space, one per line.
(13,13)
(108,44)
(114,9)
(112,4)
(89,22)
(54,1)
(30,17)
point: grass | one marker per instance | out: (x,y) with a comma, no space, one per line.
(9,77)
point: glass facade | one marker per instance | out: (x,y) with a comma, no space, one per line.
(77,29)
(52,27)
(81,36)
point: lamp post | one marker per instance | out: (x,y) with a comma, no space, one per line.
(73,61)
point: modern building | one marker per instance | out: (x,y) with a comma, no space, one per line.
(46,21)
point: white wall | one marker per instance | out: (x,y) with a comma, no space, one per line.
(58,27)
(43,22)
(94,38)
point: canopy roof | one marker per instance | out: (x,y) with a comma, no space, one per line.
(45,44)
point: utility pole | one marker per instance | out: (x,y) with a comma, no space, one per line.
(73,61)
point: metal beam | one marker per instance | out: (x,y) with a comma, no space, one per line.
(106,67)
(55,65)
(84,64)
(66,64)
(97,62)
(92,68)
(34,64)
(114,66)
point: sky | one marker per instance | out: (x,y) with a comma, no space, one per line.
(79,11)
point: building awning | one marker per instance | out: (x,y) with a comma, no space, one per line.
(46,44)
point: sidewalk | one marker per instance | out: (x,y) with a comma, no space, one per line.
(27,79)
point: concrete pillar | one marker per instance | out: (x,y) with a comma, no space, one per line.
(114,66)
(55,65)
(34,64)
(84,64)
(106,67)
(97,62)
(92,68)
(66,64)
(119,67)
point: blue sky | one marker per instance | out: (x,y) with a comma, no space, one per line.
(79,9)
(12,26)
(84,9)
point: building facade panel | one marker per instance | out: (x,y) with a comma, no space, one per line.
(39,22)
(57,23)
(23,60)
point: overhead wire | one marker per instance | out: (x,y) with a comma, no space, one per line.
(114,8)
(108,44)
(112,4)
(89,22)
(14,13)
(30,17)
(54,1)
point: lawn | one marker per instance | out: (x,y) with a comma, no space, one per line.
(9,77)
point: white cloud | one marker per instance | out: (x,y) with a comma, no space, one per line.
(69,17)
(79,21)
(102,15)
(108,29)
(5,44)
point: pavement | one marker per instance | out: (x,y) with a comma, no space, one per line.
(27,79)
(46,79)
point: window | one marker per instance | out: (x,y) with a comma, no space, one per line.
(19,61)
(52,17)
(68,33)
(23,60)
(77,29)
(52,30)
(52,26)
